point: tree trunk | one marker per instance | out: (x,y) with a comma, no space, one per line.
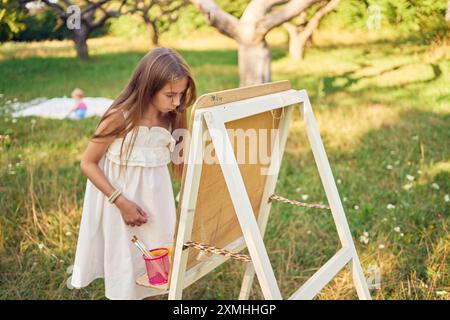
(80,37)
(296,42)
(153,31)
(254,63)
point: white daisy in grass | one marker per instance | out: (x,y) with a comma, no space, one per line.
(298,189)
(419,172)
(41,246)
(68,233)
(344,199)
(441,292)
(401,234)
(397,229)
(33,121)
(415,138)
(308,232)
(397,162)
(364,238)
(381,246)
(390,206)
(339,181)
(435,186)
(305,197)
(14,120)
(356,207)
(384,219)
(407,186)
(389,167)
(410,177)
(447,198)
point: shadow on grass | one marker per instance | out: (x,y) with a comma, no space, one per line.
(421,211)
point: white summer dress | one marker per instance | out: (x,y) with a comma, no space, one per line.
(104,248)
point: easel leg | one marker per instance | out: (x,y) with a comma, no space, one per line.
(247,282)
(243,208)
(358,279)
(332,194)
(279,145)
(187,209)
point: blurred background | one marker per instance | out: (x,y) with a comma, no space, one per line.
(377,73)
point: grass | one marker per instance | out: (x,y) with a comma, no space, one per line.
(383,109)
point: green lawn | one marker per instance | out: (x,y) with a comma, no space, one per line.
(383,109)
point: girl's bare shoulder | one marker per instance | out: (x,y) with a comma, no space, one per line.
(113,121)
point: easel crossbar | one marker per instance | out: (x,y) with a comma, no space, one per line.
(323,275)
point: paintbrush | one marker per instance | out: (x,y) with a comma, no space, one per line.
(141,247)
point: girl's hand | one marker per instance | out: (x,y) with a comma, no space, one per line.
(132,214)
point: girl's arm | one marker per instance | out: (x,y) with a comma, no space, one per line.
(131,212)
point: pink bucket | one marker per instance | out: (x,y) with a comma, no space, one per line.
(158,267)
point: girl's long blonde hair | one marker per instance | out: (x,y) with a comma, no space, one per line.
(157,68)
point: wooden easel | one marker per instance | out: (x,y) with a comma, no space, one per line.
(249,106)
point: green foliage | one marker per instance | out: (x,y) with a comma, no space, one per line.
(10,15)
(42,26)
(127,26)
(47,26)
(236,8)
(404,17)
(192,19)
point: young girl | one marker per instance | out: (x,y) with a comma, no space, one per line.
(129,190)
(80,107)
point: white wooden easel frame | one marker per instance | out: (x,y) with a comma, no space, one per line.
(214,118)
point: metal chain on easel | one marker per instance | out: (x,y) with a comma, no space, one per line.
(298,203)
(220,251)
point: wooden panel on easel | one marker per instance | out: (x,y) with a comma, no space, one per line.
(227,96)
(215,221)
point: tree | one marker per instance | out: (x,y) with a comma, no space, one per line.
(157,14)
(81,17)
(9,19)
(259,17)
(301,29)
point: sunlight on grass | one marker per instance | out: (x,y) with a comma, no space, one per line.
(382,107)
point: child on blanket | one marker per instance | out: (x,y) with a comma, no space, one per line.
(80,109)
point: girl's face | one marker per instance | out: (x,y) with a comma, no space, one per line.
(169,97)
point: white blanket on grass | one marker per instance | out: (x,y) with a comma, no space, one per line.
(59,108)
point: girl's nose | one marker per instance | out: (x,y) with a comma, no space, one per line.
(176,101)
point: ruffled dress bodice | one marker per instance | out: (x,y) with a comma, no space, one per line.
(151,148)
